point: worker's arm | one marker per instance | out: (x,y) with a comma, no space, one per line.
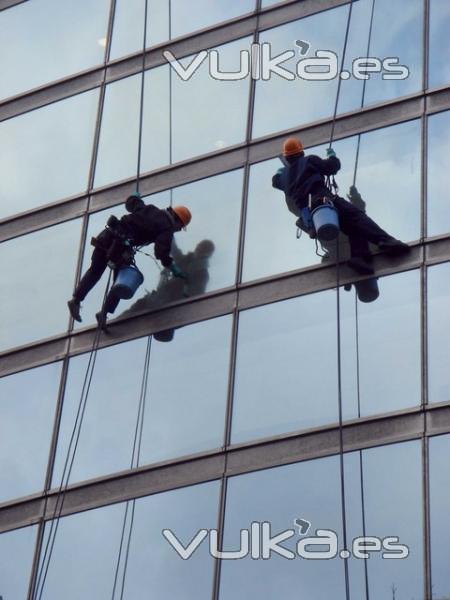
(163,245)
(277,179)
(327,166)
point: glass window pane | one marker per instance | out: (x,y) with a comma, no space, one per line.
(439,522)
(153,564)
(128,32)
(206,13)
(118,146)
(16,556)
(45,154)
(186,410)
(206,251)
(308,490)
(40,268)
(438,175)
(438,333)
(27,407)
(291,393)
(389,343)
(178,408)
(38,53)
(209,114)
(439,43)
(392,488)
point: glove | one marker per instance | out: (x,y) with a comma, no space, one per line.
(330,153)
(176,271)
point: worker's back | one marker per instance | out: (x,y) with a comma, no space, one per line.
(146,224)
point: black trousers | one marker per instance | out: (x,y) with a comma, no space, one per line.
(356,224)
(99,264)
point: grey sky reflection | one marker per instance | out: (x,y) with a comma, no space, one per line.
(16,555)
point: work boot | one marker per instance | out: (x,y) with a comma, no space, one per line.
(360,265)
(394,247)
(74,309)
(101,320)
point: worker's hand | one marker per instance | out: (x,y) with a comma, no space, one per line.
(330,153)
(176,271)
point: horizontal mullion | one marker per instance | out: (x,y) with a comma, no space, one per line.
(324,441)
(359,121)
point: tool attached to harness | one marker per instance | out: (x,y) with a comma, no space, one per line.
(115,243)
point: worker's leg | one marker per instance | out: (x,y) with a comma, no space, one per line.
(99,262)
(355,222)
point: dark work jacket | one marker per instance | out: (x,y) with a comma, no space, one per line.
(302,176)
(151,225)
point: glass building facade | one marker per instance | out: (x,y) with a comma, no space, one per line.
(242,368)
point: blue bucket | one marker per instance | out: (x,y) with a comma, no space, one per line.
(127,282)
(326,222)
(367,290)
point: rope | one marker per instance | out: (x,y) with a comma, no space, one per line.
(141,108)
(134,463)
(170,104)
(338,324)
(67,470)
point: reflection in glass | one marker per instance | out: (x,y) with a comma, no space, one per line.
(439,65)
(128,31)
(107,434)
(153,565)
(388,178)
(215,204)
(389,372)
(291,393)
(439,522)
(45,154)
(27,404)
(118,146)
(438,333)
(16,555)
(438,173)
(393,507)
(187,391)
(308,490)
(209,114)
(37,53)
(37,278)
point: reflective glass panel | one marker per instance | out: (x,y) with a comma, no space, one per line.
(438,173)
(439,66)
(397,52)
(153,565)
(388,498)
(27,406)
(187,17)
(187,391)
(107,433)
(16,556)
(389,344)
(38,53)
(206,251)
(209,114)
(118,146)
(185,413)
(38,272)
(274,396)
(438,333)
(128,32)
(45,154)
(440,524)
(307,490)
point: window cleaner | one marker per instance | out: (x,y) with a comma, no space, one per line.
(116,246)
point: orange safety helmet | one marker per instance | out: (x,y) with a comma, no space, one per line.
(292,146)
(184,214)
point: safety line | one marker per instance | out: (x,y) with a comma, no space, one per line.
(67,470)
(134,463)
(338,325)
(170,104)
(141,108)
